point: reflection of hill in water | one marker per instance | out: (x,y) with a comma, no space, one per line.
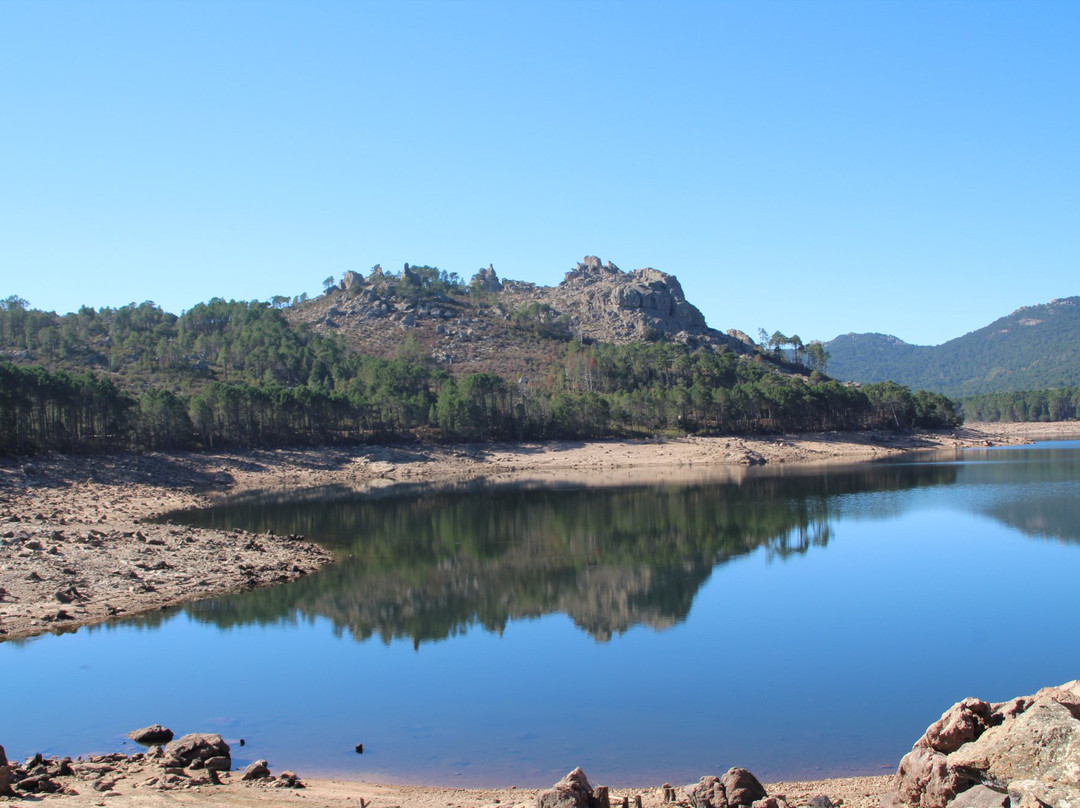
(1044,517)
(1042,497)
(430,565)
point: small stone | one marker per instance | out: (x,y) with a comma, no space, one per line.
(259,770)
(288,779)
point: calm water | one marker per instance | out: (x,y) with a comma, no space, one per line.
(798,623)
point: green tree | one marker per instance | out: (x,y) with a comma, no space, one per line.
(893,403)
(817,358)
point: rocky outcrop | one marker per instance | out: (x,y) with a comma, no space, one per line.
(1023,752)
(352,281)
(486,280)
(471,327)
(741,336)
(609,305)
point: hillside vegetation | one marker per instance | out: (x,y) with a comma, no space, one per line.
(1034,348)
(604,354)
(1023,406)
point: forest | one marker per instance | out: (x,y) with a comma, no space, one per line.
(1062,404)
(237,374)
(1034,348)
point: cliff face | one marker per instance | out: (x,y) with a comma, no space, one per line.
(509,327)
(606,304)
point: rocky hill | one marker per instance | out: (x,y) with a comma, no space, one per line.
(504,326)
(1035,347)
(414,355)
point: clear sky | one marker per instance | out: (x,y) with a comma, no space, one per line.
(810,167)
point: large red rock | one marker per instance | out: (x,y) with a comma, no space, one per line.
(5,776)
(155,733)
(963,722)
(201,746)
(738,788)
(1026,750)
(573,791)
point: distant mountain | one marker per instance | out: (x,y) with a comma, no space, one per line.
(1035,347)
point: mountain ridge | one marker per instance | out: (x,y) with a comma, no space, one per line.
(1034,347)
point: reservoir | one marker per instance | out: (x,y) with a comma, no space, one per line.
(800,622)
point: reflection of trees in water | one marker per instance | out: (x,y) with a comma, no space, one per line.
(1043,516)
(429,566)
(1045,504)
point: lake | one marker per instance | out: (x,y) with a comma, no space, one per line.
(799,622)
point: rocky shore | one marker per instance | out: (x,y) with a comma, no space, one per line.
(1020,753)
(76,546)
(195,769)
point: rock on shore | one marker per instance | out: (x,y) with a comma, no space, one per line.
(738,788)
(1022,753)
(191,762)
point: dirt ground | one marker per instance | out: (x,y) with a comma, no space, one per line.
(76,546)
(128,783)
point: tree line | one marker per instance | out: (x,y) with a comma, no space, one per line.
(239,374)
(593,392)
(1062,404)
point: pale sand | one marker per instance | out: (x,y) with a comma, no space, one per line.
(74,540)
(856,792)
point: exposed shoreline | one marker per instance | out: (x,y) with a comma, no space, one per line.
(75,536)
(138,783)
(77,550)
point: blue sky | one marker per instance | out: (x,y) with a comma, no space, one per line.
(810,167)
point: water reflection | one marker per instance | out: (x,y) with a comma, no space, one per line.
(1035,490)
(428,565)
(814,621)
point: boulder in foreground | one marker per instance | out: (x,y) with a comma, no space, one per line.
(573,791)
(738,788)
(1023,753)
(5,776)
(203,747)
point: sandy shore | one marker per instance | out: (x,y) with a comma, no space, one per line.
(76,547)
(121,784)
